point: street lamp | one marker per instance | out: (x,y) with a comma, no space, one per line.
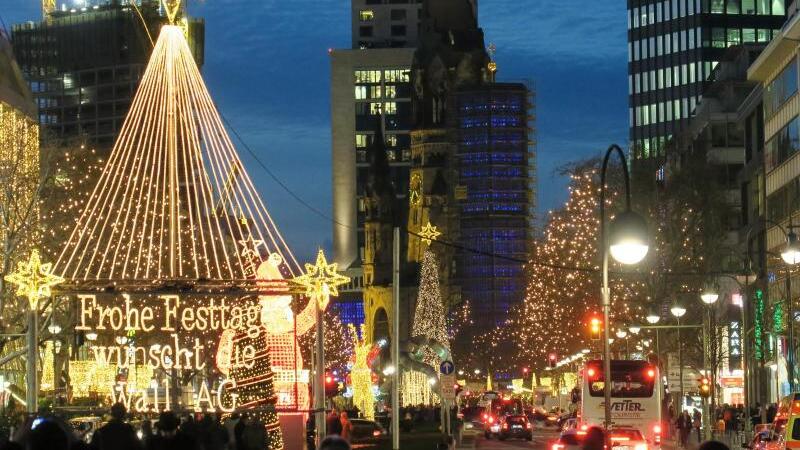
(635,329)
(678,311)
(627,241)
(653,317)
(791,253)
(709,296)
(621,333)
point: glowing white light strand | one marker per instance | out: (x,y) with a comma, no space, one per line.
(174,198)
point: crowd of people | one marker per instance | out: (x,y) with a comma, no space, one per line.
(168,432)
(727,424)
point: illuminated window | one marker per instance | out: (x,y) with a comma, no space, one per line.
(362,140)
(390,91)
(374,108)
(391,140)
(390,108)
(397,76)
(365,15)
(375,92)
(368,76)
(361,92)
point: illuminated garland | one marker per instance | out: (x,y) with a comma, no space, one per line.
(174,200)
(758,323)
(415,389)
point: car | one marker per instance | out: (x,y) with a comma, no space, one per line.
(627,439)
(516,426)
(760,440)
(367,431)
(568,441)
(491,426)
(85,427)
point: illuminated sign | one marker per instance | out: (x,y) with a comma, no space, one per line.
(735,346)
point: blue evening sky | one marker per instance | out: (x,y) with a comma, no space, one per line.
(267,67)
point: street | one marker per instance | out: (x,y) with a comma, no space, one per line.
(541,438)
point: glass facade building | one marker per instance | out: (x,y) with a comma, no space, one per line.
(84,66)
(496,200)
(673,46)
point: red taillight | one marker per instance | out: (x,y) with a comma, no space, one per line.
(505,426)
(528,425)
(557,447)
(590,373)
(376,433)
(651,373)
(491,419)
(657,429)
(485,417)
(584,427)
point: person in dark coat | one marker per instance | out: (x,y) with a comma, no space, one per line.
(333,425)
(168,437)
(116,434)
(238,432)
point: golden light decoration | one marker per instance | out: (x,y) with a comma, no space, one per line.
(361,375)
(429,233)
(172,7)
(321,280)
(34,279)
(174,198)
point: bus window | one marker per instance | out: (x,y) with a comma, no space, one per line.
(636,383)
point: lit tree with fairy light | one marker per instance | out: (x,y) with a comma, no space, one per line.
(429,317)
(338,342)
(563,279)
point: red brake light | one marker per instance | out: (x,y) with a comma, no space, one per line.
(657,429)
(584,427)
(590,373)
(557,446)
(651,373)
(505,426)
(528,425)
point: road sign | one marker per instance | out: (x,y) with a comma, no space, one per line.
(447,367)
(448,385)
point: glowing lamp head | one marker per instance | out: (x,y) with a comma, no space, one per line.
(653,317)
(627,238)
(677,310)
(635,329)
(709,296)
(791,253)
(621,333)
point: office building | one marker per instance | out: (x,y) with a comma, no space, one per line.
(84,65)
(776,70)
(673,46)
(496,199)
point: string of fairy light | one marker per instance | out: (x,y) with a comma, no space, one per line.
(173,191)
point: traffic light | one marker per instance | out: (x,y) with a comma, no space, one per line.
(525,371)
(705,387)
(595,328)
(331,386)
(551,360)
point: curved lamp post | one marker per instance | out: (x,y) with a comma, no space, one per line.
(678,310)
(627,241)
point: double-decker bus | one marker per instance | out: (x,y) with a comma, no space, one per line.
(635,397)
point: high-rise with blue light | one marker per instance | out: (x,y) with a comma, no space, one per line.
(496,196)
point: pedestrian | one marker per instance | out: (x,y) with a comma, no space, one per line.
(238,430)
(168,437)
(116,434)
(254,435)
(595,439)
(684,426)
(697,420)
(48,435)
(347,427)
(147,430)
(230,425)
(333,423)
(212,435)
(334,443)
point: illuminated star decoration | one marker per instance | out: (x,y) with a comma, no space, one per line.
(34,279)
(171,7)
(429,233)
(250,246)
(321,280)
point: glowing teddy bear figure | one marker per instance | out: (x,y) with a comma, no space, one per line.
(281,328)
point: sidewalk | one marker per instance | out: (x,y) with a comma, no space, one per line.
(468,439)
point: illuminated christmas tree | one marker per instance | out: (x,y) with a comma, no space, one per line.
(338,342)
(429,317)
